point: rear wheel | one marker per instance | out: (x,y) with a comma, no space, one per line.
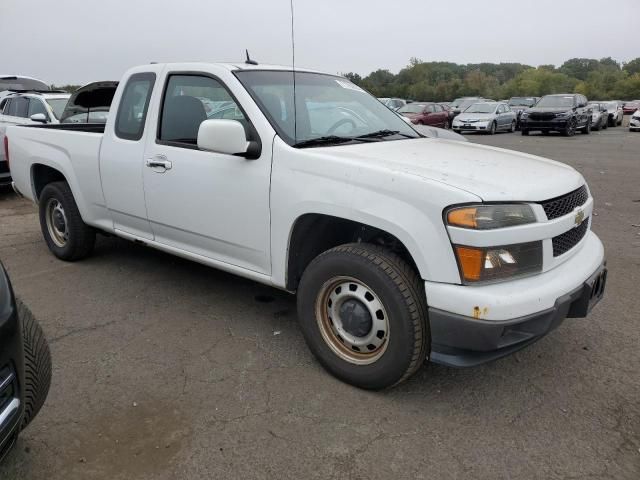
(66,234)
(37,365)
(363,314)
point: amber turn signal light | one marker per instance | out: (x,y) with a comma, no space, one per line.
(463,217)
(471,260)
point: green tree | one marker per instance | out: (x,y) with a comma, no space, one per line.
(632,67)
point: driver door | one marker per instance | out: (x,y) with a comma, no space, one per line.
(209,204)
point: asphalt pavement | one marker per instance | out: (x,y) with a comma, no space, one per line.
(166,369)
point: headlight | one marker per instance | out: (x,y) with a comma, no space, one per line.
(498,263)
(487,217)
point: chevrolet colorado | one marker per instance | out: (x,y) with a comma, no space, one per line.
(400,248)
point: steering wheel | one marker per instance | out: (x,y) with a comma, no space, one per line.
(339,123)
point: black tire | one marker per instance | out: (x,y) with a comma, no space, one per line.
(493,129)
(587,128)
(80,237)
(37,365)
(525,132)
(400,292)
(447,125)
(513,127)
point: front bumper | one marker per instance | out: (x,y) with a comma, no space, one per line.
(470,127)
(544,125)
(460,341)
(11,367)
(476,324)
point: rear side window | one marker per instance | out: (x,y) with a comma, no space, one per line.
(132,112)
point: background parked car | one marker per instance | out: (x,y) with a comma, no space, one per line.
(599,116)
(630,107)
(90,103)
(565,113)
(393,103)
(520,104)
(634,121)
(27,109)
(25,366)
(426,114)
(615,112)
(488,117)
(459,105)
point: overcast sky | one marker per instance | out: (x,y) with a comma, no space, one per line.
(77,41)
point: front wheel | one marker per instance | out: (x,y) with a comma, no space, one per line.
(363,313)
(513,127)
(492,129)
(66,234)
(570,128)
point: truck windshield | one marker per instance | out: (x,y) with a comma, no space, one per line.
(328,109)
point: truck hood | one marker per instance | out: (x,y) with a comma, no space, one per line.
(493,174)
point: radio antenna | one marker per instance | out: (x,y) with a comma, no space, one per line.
(293,65)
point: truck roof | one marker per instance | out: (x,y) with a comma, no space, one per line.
(236,66)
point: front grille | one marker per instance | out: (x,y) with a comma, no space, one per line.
(4,167)
(560,206)
(542,116)
(566,241)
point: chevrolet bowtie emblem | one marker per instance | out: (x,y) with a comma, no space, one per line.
(579,217)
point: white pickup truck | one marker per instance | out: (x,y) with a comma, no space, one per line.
(401,248)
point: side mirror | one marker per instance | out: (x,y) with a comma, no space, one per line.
(226,136)
(38,117)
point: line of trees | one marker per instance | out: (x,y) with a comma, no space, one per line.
(442,81)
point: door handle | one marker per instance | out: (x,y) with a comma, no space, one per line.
(159,162)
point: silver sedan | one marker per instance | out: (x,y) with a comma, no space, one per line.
(486,117)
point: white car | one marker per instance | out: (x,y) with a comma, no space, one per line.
(616,114)
(486,117)
(27,109)
(400,248)
(634,121)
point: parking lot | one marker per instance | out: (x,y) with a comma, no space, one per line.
(167,369)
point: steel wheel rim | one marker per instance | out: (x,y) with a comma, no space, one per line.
(56,220)
(355,349)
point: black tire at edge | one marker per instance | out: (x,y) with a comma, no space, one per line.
(37,365)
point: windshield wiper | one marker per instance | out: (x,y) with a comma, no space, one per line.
(384,133)
(326,140)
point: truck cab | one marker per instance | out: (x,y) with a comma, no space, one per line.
(399,247)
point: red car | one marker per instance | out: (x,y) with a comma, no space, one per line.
(630,107)
(426,114)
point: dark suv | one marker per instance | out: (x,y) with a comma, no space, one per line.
(565,113)
(25,366)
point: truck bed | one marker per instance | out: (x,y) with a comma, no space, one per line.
(73,127)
